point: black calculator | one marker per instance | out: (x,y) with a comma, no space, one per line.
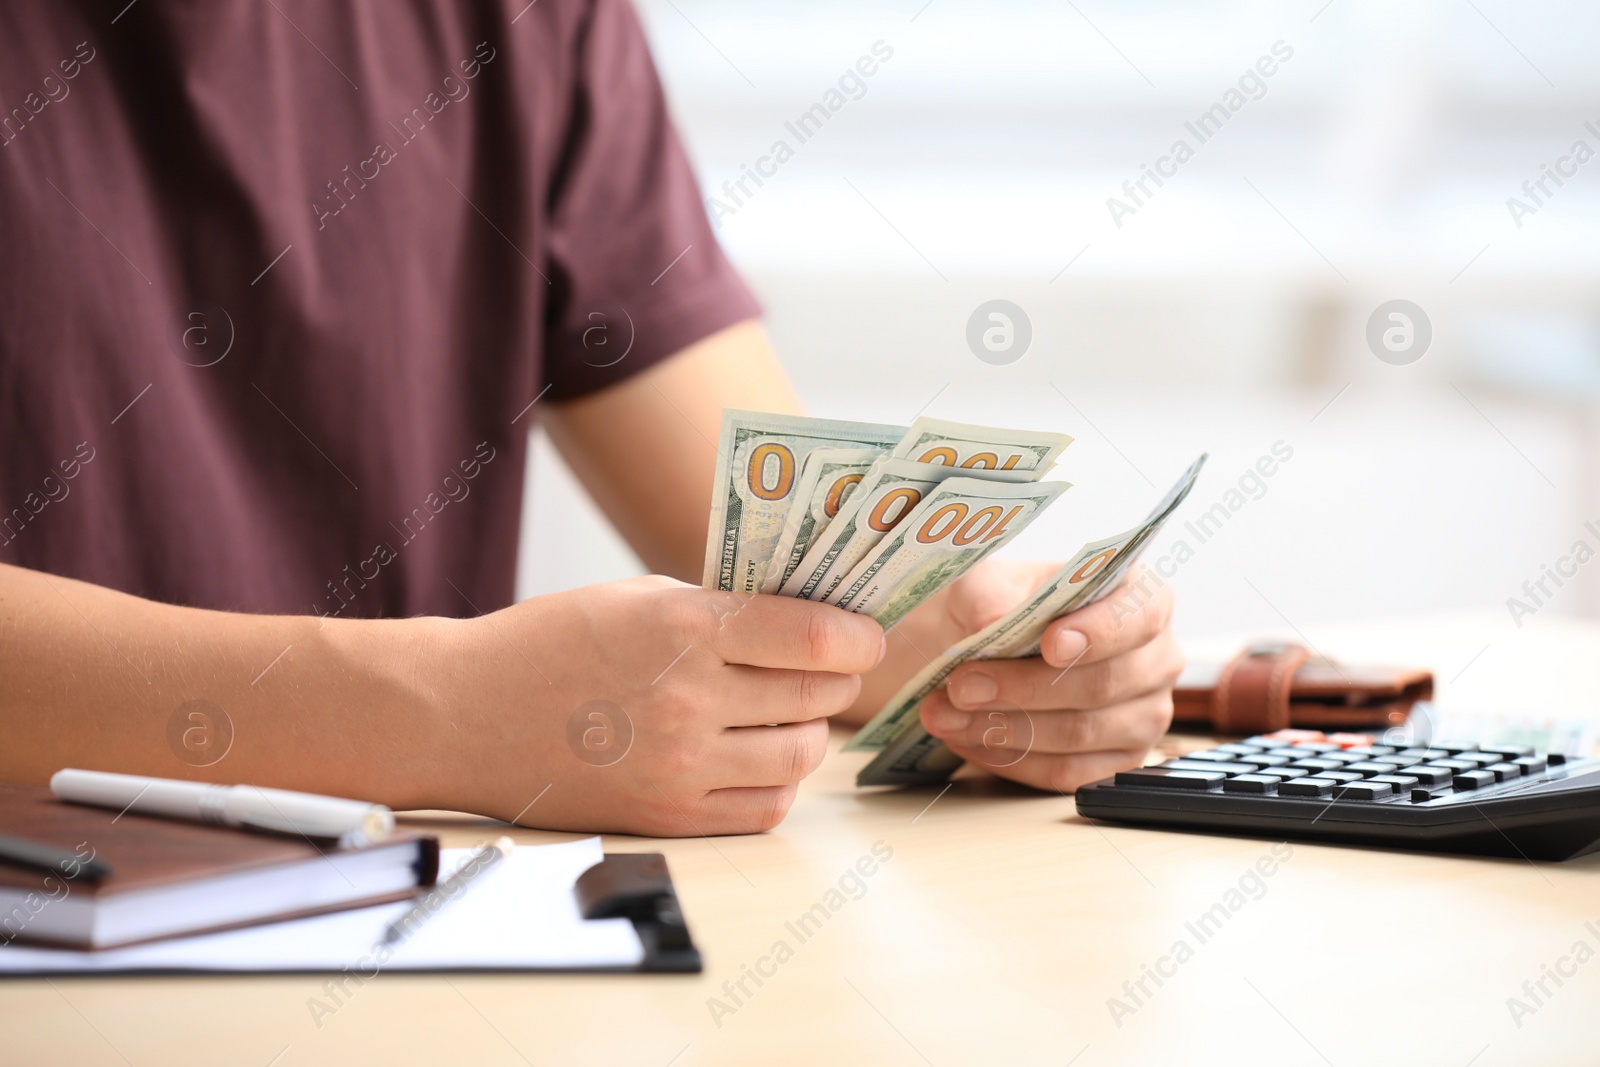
(1486,800)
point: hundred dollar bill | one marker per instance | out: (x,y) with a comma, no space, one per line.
(957,444)
(1101,565)
(959,522)
(758,460)
(914,757)
(889,492)
(908,754)
(1006,638)
(828,477)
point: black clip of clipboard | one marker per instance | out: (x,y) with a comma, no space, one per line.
(637,886)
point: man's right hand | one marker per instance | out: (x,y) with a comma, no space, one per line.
(714,705)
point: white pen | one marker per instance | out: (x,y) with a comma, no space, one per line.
(351,822)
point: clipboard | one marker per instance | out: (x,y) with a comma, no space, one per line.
(562,908)
(638,887)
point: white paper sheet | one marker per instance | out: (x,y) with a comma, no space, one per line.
(520,914)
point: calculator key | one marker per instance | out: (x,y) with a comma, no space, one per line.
(1208,765)
(1370,750)
(1164,778)
(1454,748)
(1400,783)
(1398,761)
(1422,796)
(1556,759)
(1350,740)
(1368,769)
(1289,753)
(1309,747)
(1424,753)
(1456,764)
(1503,771)
(1510,752)
(1364,791)
(1286,772)
(1482,759)
(1306,787)
(1265,760)
(1342,777)
(1240,748)
(1531,764)
(1212,755)
(1251,783)
(1431,777)
(1473,779)
(1318,764)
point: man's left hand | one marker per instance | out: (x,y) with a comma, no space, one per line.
(1093,703)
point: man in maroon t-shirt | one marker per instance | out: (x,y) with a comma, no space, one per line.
(282,289)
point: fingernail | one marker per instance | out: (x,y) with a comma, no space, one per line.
(974,688)
(1070,644)
(948,721)
(883,647)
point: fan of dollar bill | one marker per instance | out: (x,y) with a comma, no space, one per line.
(876,519)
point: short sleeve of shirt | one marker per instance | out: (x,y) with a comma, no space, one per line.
(635,270)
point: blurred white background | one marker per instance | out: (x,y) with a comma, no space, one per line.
(1226,314)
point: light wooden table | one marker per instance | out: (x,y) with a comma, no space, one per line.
(998,932)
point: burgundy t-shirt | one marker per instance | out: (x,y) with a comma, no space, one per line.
(283,286)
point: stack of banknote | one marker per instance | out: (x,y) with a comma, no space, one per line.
(876,519)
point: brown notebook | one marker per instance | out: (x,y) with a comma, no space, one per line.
(170,877)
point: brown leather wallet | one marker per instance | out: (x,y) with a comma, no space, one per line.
(1270,686)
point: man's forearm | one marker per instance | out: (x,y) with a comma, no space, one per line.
(98,679)
(475,715)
